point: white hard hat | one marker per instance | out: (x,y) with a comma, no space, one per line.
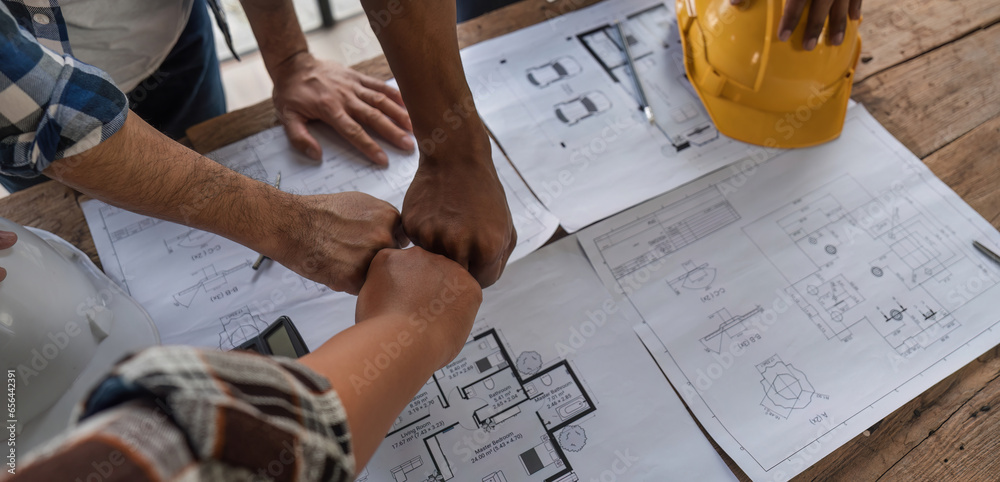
(63,324)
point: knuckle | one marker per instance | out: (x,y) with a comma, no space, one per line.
(384,238)
(353,130)
(374,116)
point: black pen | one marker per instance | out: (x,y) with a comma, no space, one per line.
(639,92)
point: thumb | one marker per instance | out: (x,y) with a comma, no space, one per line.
(301,139)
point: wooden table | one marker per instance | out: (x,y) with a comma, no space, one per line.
(927,73)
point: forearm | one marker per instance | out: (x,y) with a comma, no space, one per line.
(377,366)
(277,30)
(143,171)
(421,44)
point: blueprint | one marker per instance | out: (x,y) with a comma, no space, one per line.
(796,302)
(559,98)
(200,288)
(553,385)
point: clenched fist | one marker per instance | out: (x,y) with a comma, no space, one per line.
(332,238)
(432,292)
(460,210)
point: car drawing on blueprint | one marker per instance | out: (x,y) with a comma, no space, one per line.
(554,71)
(573,111)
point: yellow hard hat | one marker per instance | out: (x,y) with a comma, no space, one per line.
(758,89)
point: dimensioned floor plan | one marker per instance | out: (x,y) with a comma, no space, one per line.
(489,417)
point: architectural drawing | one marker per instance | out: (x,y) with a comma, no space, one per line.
(480,407)
(193,238)
(582,107)
(731,328)
(554,71)
(239,327)
(785,387)
(211,282)
(665,232)
(650,34)
(828,303)
(561,103)
(694,277)
(863,266)
(529,362)
(913,261)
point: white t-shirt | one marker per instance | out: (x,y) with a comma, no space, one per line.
(128,39)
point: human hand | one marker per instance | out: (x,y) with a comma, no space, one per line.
(458,208)
(306,88)
(332,238)
(428,290)
(7,239)
(838,10)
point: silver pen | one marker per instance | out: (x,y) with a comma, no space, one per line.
(261,258)
(987,251)
(643,103)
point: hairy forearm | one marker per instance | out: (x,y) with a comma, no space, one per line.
(277,30)
(421,44)
(377,366)
(141,170)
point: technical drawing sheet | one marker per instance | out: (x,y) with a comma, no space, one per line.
(796,302)
(200,288)
(552,386)
(560,100)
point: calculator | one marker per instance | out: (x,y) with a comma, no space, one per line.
(281,338)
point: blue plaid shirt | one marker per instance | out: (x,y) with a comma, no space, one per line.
(51,105)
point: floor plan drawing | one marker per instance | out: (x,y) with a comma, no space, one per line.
(529,421)
(652,32)
(540,394)
(848,258)
(575,110)
(561,103)
(554,71)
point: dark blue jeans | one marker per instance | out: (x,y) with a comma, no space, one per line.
(470,9)
(185,90)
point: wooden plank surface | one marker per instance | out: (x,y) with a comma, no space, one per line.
(53,207)
(894,31)
(963,448)
(971,166)
(930,101)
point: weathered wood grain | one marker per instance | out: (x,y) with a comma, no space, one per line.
(870,455)
(971,166)
(53,207)
(935,98)
(963,448)
(894,31)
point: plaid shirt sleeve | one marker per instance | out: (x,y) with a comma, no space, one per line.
(182,413)
(51,105)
